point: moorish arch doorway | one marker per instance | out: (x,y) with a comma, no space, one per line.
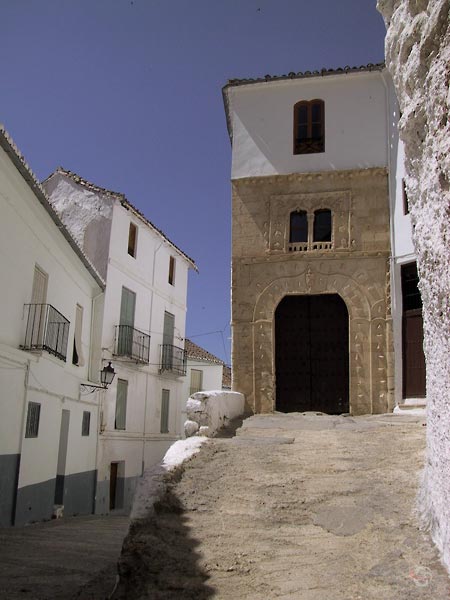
(312,354)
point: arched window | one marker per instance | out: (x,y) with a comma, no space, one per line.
(322,225)
(298,227)
(309,127)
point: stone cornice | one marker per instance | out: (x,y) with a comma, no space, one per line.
(311,176)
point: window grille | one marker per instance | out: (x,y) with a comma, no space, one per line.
(86,424)
(33,417)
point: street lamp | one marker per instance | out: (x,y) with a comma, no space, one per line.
(106,378)
(107,375)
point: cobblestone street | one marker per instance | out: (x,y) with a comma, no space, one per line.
(52,560)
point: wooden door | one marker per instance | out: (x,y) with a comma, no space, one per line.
(311,354)
(113,485)
(414,376)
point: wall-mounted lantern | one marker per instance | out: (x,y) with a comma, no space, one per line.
(107,375)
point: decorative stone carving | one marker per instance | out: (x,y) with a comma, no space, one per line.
(355,268)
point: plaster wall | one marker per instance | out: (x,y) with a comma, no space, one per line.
(356,268)
(418,57)
(262,122)
(28,236)
(105,219)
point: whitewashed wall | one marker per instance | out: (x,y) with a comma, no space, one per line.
(355,124)
(141,443)
(28,236)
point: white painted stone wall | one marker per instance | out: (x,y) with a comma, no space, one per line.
(418,57)
(207,412)
(355,124)
(29,237)
(102,222)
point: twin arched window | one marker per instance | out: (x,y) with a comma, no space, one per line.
(309,127)
(310,232)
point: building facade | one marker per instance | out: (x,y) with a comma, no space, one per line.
(311,240)
(48,429)
(141,328)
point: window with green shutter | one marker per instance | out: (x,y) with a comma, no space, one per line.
(165,411)
(121,404)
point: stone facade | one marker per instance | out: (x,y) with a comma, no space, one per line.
(356,266)
(418,57)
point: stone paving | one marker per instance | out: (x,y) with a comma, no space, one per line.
(298,507)
(52,560)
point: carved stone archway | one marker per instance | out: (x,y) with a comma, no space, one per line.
(368,325)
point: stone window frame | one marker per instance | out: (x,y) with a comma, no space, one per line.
(311,244)
(282,205)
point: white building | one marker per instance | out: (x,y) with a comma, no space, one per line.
(48,429)
(204,370)
(142,330)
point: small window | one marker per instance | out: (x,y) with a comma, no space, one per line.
(322,226)
(309,127)
(121,404)
(405,199)
(196,381)
(33,416)
(132,239)
(165,399)
(172,270)
(298,227)
(77,352)
(86,424)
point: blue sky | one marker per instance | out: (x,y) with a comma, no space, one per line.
(127,93)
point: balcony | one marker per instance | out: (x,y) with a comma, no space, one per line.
(173,359)
(132,343)
(47,329)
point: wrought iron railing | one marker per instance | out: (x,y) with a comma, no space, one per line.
(132,343)
(47,329)
(173,359)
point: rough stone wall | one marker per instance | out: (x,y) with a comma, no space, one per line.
(356,268)
(418,57)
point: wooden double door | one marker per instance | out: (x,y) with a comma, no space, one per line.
(312,354)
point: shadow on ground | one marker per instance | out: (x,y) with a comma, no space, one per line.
(160,559)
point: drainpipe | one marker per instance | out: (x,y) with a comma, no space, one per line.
(147,374)
(99,397)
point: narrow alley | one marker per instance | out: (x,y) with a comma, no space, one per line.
(305,507)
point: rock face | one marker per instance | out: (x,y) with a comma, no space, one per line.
(418,57)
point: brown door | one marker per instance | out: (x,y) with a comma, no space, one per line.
(113,485)
(414,380)
(311,354)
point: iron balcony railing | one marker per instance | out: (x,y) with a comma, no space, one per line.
(132,343)
(173,359)
(47,329)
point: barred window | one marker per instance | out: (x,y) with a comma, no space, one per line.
(86,424)
(33,416)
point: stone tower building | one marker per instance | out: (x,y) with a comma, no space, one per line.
(311,316)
